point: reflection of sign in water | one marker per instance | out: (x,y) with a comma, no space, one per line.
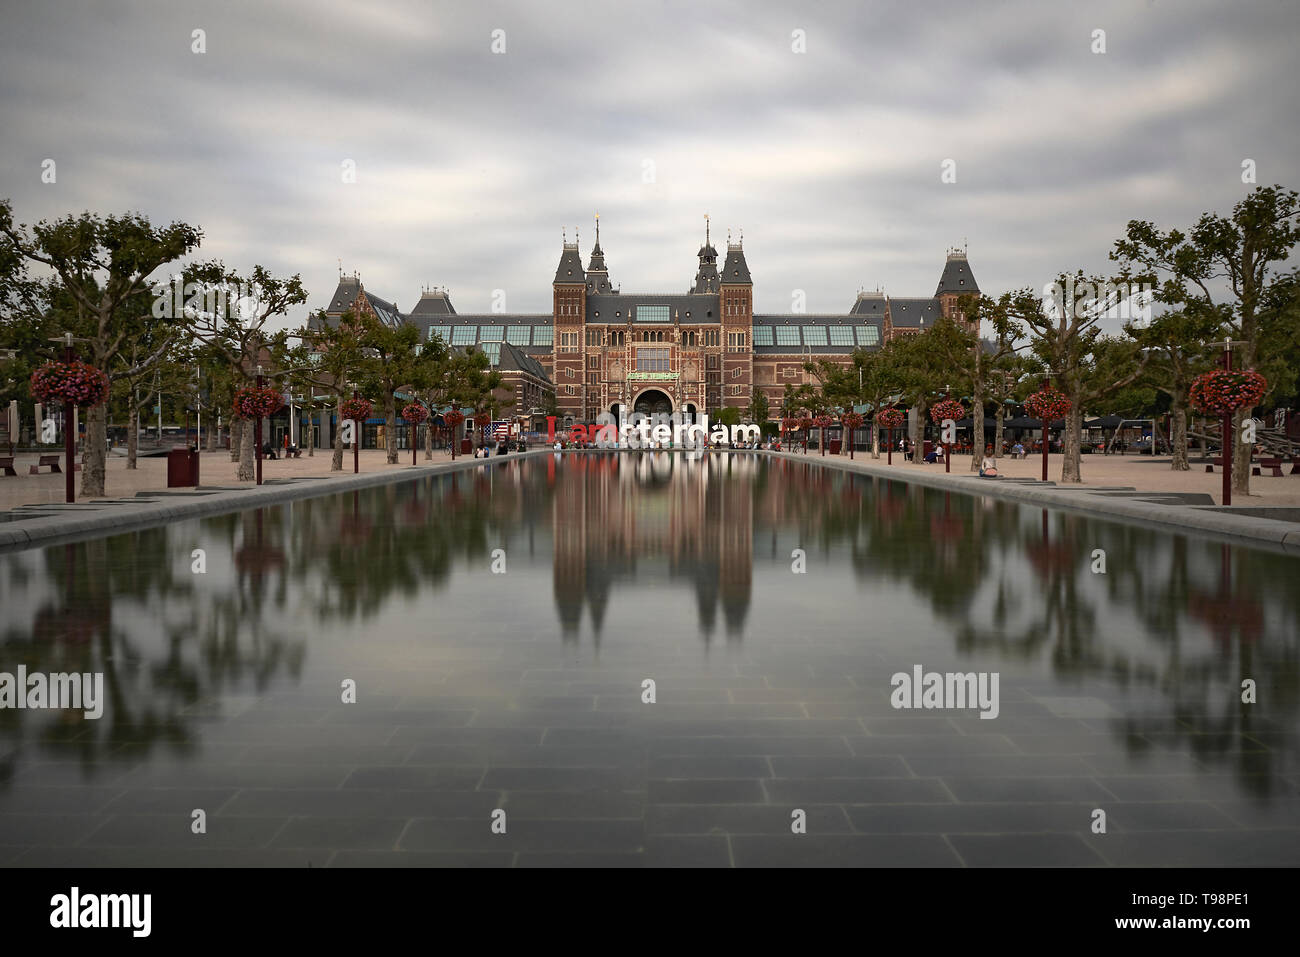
(651,376)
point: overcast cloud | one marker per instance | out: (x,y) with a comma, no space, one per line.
(468,163)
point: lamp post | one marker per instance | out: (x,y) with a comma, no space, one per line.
(257,430)
(947,449)
(69,440)
(1228,448)
(1046,383)
(356,437)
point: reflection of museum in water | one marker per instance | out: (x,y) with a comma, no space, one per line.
(656,515)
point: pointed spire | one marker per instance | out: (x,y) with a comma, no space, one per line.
(598,229)
(706,229)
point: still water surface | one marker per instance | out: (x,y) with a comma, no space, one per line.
(500,623)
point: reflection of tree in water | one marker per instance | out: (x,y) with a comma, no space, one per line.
(117,606)
(1016,587)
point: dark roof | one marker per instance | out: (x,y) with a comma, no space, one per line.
(344,295)
(434,304)
(957,277)
(914,313)
(512,357)
(702,307)
(869,304)
(570,267)
(385,310)
(735,271)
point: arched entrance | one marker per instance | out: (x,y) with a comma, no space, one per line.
(653,402)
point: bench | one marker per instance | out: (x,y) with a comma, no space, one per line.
(46,460)
(1213,463)
(1274,464)
(7,463)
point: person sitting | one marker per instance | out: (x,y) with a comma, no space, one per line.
(1018,450)
(988,469)
(932,456)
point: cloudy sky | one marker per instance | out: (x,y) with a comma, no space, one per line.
(469,162)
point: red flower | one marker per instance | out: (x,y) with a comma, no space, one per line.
(453,418)
(947,409)
(890,418)
(415,413)
(75,383)
(823,421)
(851,420)
(255,403)
(1222,392)
(358,409)
(1048,404)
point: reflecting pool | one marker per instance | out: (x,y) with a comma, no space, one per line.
(642,659)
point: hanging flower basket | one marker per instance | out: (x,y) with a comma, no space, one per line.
(805,423)
(890,418)
(947,409)
(789,424)
(823,422)
(255,403)
(1048,404)
(358,409)
(73,382)
(483,420)
(1221,392)
(414,413)
(453,418)
(852,420)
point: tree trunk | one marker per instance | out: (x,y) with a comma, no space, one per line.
(390,433)
(1071,470)
(998,416)
(236,436)
(336,464)
(212,437)
(133,438)
(92,465)
(1240,452)
(918,447)
(976,431)
(311,435)
(247,453)
(428,441)
(875,439)
(1178,417)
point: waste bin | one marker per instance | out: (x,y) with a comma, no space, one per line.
(466,446)
(182,466)
(833,446)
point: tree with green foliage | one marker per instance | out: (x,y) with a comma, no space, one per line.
(393,361)
(1230,266)
(759,408)
(1066,337)
(104,265)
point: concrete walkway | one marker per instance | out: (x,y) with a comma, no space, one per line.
(51,523)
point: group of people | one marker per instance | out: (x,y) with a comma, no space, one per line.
(483,452)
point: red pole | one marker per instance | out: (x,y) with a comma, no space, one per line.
(69,437)
(889,454)
(1046,383)
(1227,431)
(415,436)
(356,441)
(257,432)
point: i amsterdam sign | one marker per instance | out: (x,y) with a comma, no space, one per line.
(651,376)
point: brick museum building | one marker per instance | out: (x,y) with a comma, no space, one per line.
(701,350)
